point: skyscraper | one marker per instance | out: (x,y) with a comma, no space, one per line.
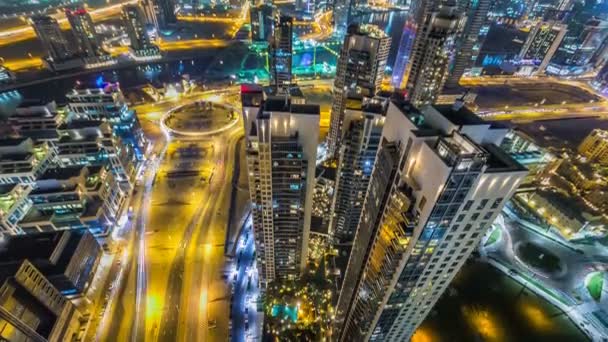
(84,31)
(150,11)
(342,10)
(438,183)
(282,140)
(476,14)
(363,122)
(359,72)
(541,44)
(165,13)
(280,48)
(53,41)
(262,20)
(402,61)
(435,36)
(135,24)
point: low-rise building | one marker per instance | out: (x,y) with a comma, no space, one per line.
(22,160)
(36,119)
(37,275)
(595,146)
(14,205)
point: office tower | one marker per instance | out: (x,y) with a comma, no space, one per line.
(134,21)
(595,146)
(166,12)
(53,41)
(580,50)
(541,44)
(342,16)
(431,54)
(402,61)
(280,51)
(363,122)
(476,13)
(262,22)
(282,140)
(438,183)
(84,31)
(359,72)
(600,82)
(150,12)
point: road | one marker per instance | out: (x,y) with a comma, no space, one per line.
(19,33)
(246,321)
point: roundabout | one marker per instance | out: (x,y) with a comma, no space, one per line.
(199,119)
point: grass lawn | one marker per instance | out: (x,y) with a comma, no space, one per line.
(539,257)
(494,236)
(595,283)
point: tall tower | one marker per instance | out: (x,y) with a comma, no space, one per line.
(360,70)
(134,20)
(150,11)
(363,123)
(282,140)
(53,41)
(342,12)
(476,13)
(435,36)
(438,183)
(262,20)
(84,31)
(166,13)
(280,48)
(543,40)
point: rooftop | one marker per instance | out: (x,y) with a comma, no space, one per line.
(282,104)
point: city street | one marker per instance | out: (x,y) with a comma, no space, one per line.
(564,283)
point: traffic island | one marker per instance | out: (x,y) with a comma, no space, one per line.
(539,258)
(594,282)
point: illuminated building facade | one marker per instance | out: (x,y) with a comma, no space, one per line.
(22,160)
(282,140)
(363,122)
(14,205)
(86,38)
(165,13)
(600,82)
(359,72)
(342,12)
(430,58)
(400,68)
(134,20)
(595,146)
(53,40)
(541,44)
(438,183)
(262,22)
(467,44)
(280,51)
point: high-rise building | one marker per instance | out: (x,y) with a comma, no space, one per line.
(541,44)
(135,24)
(363,122)
(402,61)
(467,45)
(151,13)
(438,183)
(342,15)
(359,72)
(600,82)
(430,58)
(262,21)
(280,51)
(84,31)
(165,13)
(282,140)
(53,41)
